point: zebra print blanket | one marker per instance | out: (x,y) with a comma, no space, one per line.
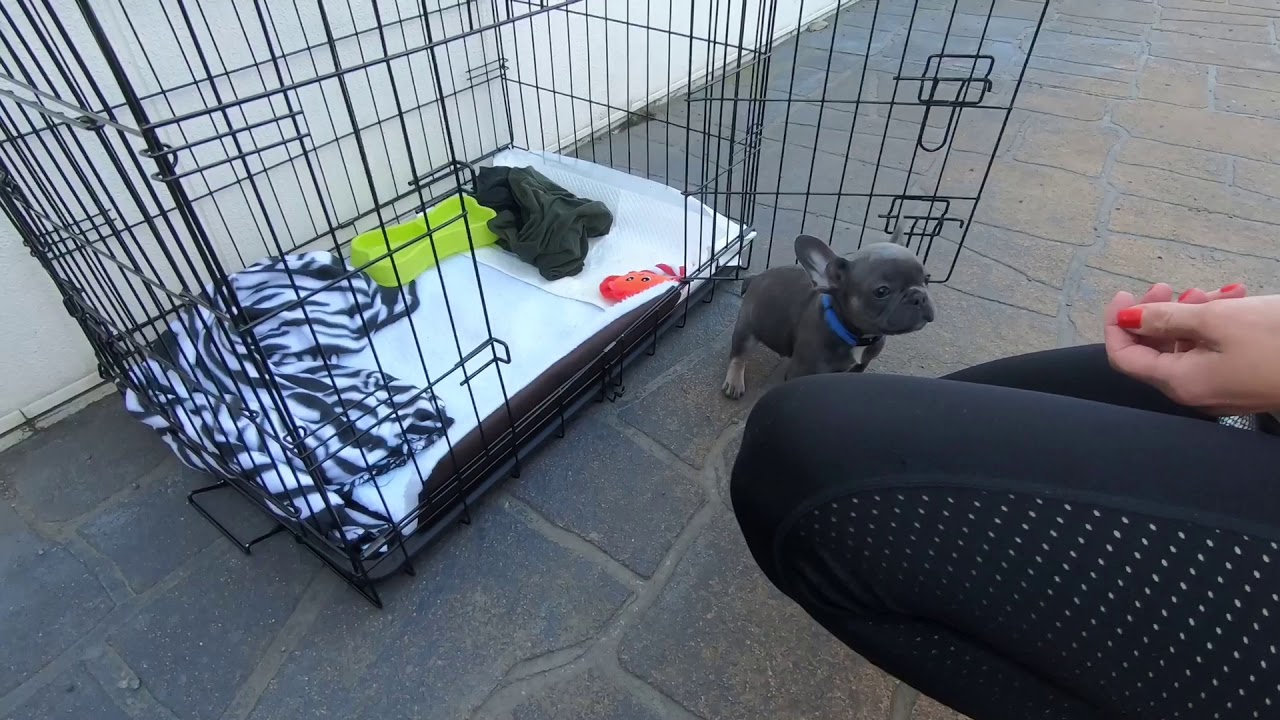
(218,411)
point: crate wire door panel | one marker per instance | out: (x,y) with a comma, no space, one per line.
(192,174)
(891,115)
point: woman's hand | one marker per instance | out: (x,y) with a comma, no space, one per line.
(1222,357)
(1163,292)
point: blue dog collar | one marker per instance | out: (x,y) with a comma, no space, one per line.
(837,327)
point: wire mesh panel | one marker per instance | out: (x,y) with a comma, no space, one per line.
(267,217)
(891,115)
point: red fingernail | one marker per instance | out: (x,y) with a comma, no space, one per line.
(1186,295)
(1129,318)
(1231,288)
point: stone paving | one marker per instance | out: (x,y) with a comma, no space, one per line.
(610,581)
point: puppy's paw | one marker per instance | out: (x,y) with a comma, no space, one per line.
(735,380)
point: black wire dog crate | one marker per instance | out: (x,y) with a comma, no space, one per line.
(266,216)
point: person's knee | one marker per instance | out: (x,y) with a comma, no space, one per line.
(791,450)
(822,435)
(759,480)
(776,430)
(814,431)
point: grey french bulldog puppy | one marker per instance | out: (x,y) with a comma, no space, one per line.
(830,313)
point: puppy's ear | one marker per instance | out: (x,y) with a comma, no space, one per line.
(824,266)
(899,235)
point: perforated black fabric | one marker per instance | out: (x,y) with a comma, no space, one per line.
(1148,617)
(1018,554)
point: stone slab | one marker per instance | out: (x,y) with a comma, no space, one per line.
(174,534)
(1021,9)
(1119,54)
(968,330)
(1151,218)
(1193,193)
(49,599)
(840,116)
(787,174)
(900,7)
(598,484)
(846,38)
(1176,159)
(1221,31)
(1249,79)
(1035,98)
(1186,266)
(1096,72)
(861,220)
(194,644)
(1241,135)
(1214,51)
(10,523)
(900,153)
(666,155)
(679,125)
(1201,12)
(1017,197)
(853,36)
(1247,101)
(678,343)
(722,642)
(800,80)
(958,24)
(75,695)
(585,697)
(916,48)
(1262,178)
(889,18)
(1093,27)
(982,137)
(68,469)
(1211,10)
(1079,83)
(994,274)
(688,412)
(728,456)
(1067,144)
(835,62)
(1174,82)
(960,176)
(1041,261)
(490,595)
(779,227)
(686,163)
(1123,10)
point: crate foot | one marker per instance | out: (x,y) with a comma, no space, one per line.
(245,546)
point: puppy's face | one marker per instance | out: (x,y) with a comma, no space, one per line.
(881,289)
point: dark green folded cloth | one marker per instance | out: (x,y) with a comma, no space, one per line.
(541,222)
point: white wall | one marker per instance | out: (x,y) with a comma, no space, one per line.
(43,357)
(42,352)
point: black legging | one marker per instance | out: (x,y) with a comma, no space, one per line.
(1037,537)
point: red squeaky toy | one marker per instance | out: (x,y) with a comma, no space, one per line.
(620,287)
